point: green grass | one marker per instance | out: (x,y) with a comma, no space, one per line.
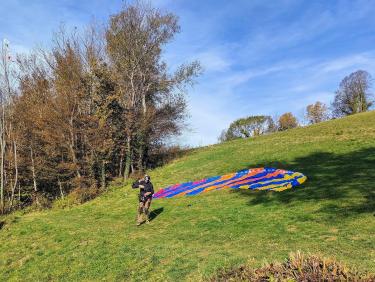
(332,214)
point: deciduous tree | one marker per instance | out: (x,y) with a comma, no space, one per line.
(287,121)
(354,95)
(153,108)
(316,113)
(247,127)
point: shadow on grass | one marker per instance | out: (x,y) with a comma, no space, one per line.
(347,178)
(155,213)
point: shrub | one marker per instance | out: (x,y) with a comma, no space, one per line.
(81,195)
(77,196)
(40,201)
(297,267)
(63,203)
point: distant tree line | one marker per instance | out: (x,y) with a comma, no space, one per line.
(96,105)
(353,96)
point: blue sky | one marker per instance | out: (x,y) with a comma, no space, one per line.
(259,57)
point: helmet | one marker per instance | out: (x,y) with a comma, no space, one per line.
(147,177)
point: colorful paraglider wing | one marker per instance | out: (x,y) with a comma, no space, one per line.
(254,179)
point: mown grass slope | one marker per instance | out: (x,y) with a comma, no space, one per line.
(332,214)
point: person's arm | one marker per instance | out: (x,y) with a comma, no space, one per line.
(137,185)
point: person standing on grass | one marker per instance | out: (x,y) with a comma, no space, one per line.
(146,190)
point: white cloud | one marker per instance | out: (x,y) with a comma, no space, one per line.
(213,61)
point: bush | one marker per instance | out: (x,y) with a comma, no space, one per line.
(77,196)
(40,201)
(297,267)
(164,154)
(81,195)
(63,203)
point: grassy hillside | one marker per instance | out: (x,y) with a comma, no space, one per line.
(332,214)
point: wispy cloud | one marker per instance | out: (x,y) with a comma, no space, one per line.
(364,60)
(213,61)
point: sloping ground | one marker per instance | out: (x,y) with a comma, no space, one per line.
(332,214)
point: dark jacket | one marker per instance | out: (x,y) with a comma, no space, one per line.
(148,187)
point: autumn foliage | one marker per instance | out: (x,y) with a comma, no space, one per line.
(97,105)
(287,121)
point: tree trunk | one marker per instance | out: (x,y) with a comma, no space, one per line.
(144,106)
(2,174)
(72,145)
(2,164)
(2,168)
(128,158)
(131,163)
(61,190)
(140,156)
(16,174)
(121,162)
(74,158)
(103,175)
(142,141)
(4,99)
(19,195)
(34,176)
